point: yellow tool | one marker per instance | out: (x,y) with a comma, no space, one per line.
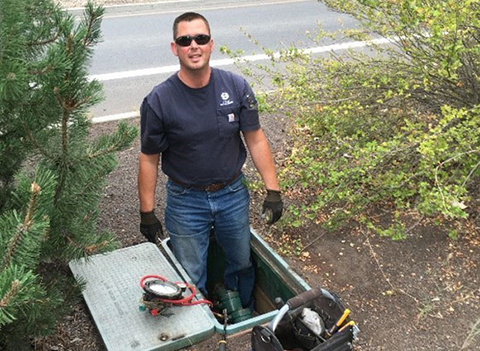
(351,323)
(339,322)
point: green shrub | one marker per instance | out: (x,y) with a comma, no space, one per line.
(394,127)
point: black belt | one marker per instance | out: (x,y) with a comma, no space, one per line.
(211,187)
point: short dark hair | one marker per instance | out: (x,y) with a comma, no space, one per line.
(188,17)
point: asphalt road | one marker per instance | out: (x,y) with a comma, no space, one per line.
(135,53)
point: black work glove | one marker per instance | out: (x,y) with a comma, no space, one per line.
(150,226)
(272,206)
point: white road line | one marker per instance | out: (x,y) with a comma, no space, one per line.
(226,62)
(134,5)
(116,117)
(135,73)
(150,11)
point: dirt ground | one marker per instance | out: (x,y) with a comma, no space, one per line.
(418,294)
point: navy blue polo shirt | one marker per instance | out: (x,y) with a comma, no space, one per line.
(197,131)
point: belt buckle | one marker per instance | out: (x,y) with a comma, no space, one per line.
(214,187)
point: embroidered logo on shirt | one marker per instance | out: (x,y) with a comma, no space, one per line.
(252,103)
(226,99)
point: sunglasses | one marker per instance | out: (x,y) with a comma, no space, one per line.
(186,40)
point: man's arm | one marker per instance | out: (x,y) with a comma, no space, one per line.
(150,226)
(262,157)
(147,180)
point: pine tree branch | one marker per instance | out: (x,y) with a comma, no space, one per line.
(116,142)
(81,102)
(93,23)
(47,69)
(113,148)
(67,110)
(104,152)
(87,41)
(32,205)
(68,105)
(22,228)
(56,91)
(11,249)
(65,119)
(88,250)
(14,287)
(44,42)
(64,156)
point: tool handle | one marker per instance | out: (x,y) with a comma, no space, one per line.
(339,322)
(281,313)
(304,297)
(222,345)
(349,324)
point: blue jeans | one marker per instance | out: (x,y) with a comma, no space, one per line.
(190,215)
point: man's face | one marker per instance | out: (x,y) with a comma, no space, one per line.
(194,57)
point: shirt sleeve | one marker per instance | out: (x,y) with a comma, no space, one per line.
(152,133)
(249,119)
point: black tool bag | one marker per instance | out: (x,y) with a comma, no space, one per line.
(288,331)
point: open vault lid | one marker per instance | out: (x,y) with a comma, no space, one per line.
(112,293)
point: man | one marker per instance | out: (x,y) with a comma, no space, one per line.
(194,120)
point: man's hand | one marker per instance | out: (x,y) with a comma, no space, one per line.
(150,226)
(272,206)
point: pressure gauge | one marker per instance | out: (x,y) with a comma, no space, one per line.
(163,289)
